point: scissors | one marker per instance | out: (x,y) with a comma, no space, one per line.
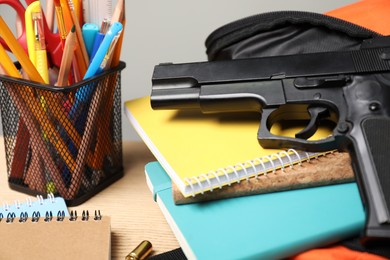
(53,41)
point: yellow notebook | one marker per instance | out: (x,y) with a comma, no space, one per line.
(203,152)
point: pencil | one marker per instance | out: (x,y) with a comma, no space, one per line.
(103,148)
(38,145)
(118,12)
(66,15)
(50,14)
(78,32)
(67,58)
(2,70)
(120,15)
(22,136)
(7,64)
(86,141)
(35,108)
(29,98)
(19,52)
(81,66)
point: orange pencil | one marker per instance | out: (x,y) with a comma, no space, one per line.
(78,32)
(119,16)
(66,14)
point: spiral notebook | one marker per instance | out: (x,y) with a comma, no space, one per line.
(39,205)
(55,237)
(203,152)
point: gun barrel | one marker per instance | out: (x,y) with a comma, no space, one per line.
(177,98)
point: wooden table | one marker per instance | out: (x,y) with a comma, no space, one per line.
(134,214)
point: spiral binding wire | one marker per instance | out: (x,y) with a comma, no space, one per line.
(29,202)
(36,216)
(249,169)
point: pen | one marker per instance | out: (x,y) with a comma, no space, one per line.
(108,57)
(83,94)
(36,39)
(114,30)
(99,37)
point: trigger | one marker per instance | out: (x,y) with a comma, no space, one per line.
(316,113)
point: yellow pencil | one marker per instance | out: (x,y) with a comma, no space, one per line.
(7,64)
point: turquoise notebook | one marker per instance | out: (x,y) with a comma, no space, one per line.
(267,226)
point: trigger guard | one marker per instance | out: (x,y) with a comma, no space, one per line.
(270,141)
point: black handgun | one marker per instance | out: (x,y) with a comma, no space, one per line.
(349,88)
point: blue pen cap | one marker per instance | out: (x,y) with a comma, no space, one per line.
(89,31)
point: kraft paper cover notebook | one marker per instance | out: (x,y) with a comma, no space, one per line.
(60,238)
(265,226)
(202,152)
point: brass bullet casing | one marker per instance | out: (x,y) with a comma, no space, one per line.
(141,251)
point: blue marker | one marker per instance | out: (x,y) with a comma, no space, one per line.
(89,32)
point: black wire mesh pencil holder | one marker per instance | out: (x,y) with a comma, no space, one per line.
(63,140)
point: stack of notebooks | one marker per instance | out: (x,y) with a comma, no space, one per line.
(224,195)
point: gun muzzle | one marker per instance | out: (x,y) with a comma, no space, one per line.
(173,88)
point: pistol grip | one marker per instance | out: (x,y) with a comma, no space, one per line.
(373,159)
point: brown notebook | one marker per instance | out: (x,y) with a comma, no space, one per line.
(28,238)
(328,168)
